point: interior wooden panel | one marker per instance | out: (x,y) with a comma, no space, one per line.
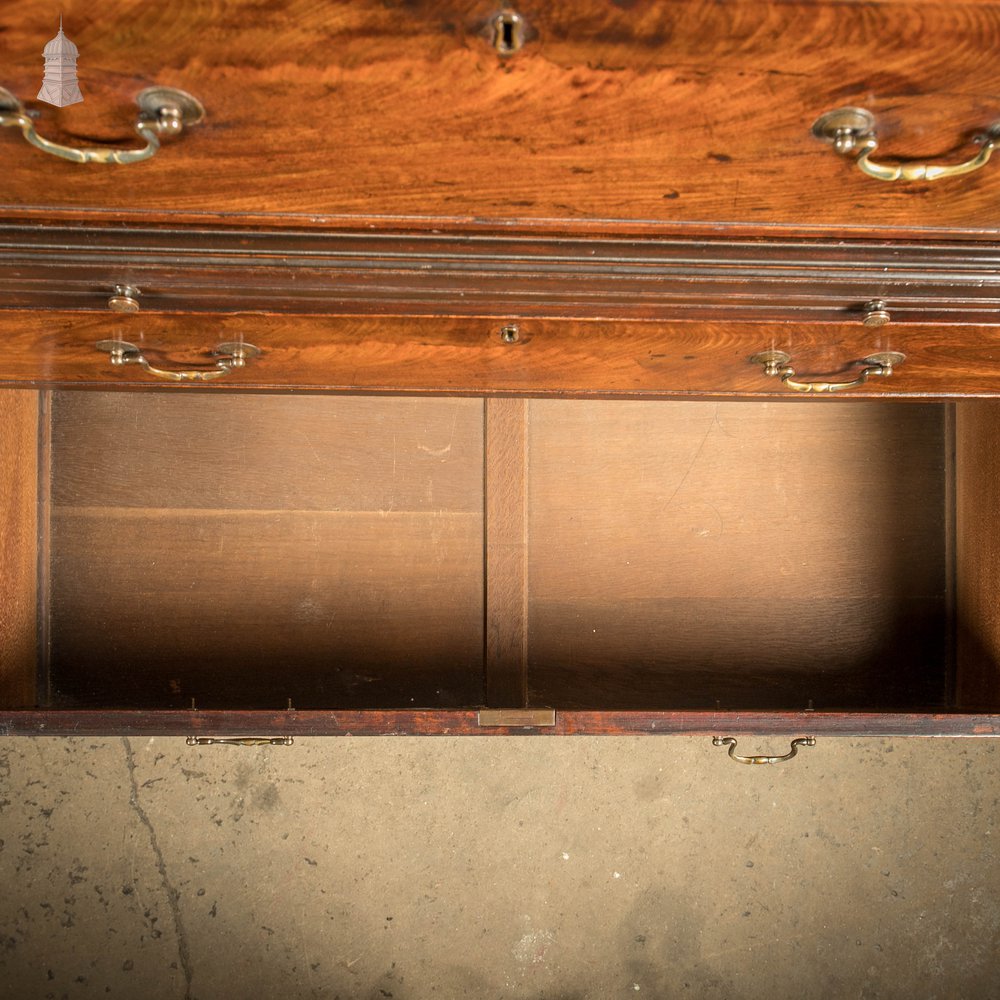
(684,554)
(268,452)
(246,609)
(19,428)
(977,555)
(671,112)
(326,550)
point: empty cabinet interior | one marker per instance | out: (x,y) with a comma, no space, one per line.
(321,551)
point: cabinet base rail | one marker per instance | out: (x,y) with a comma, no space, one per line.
(466,722)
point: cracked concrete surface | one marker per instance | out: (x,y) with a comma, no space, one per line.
(503,868)
(172,895)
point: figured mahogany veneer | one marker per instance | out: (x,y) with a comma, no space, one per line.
(674,113)
(468,356)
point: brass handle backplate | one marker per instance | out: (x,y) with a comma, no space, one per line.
(163,111)
(228,356)
(851,132)
(729,741)
(777,363)
(240,741)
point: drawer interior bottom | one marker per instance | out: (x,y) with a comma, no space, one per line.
(239,551)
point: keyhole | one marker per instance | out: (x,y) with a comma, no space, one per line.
(508,32)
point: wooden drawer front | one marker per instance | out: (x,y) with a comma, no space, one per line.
(470,355)
(681,112)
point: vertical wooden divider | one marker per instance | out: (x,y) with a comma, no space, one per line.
(505,557)
(19,421)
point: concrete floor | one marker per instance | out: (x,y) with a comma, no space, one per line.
(502,868)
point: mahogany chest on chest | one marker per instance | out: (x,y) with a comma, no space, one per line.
(452,367)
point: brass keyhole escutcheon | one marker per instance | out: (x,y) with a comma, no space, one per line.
(509,30)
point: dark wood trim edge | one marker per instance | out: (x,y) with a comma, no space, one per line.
(134,217)
(465,723)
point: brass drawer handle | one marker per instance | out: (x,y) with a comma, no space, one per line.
(240,741)
(776,363)
(229,356)
(851,132)
(722,741)
(163,111)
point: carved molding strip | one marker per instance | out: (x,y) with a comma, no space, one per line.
(470,274)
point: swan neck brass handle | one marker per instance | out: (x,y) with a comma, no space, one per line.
(228,356)
(777,363)
(163,111)
(729,741)
(851,132)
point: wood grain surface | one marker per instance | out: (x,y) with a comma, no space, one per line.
(327,551)
(466,356)
(19,423)
(243,609)
(506,552)
(677,113)
(268,452)
(761,556)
